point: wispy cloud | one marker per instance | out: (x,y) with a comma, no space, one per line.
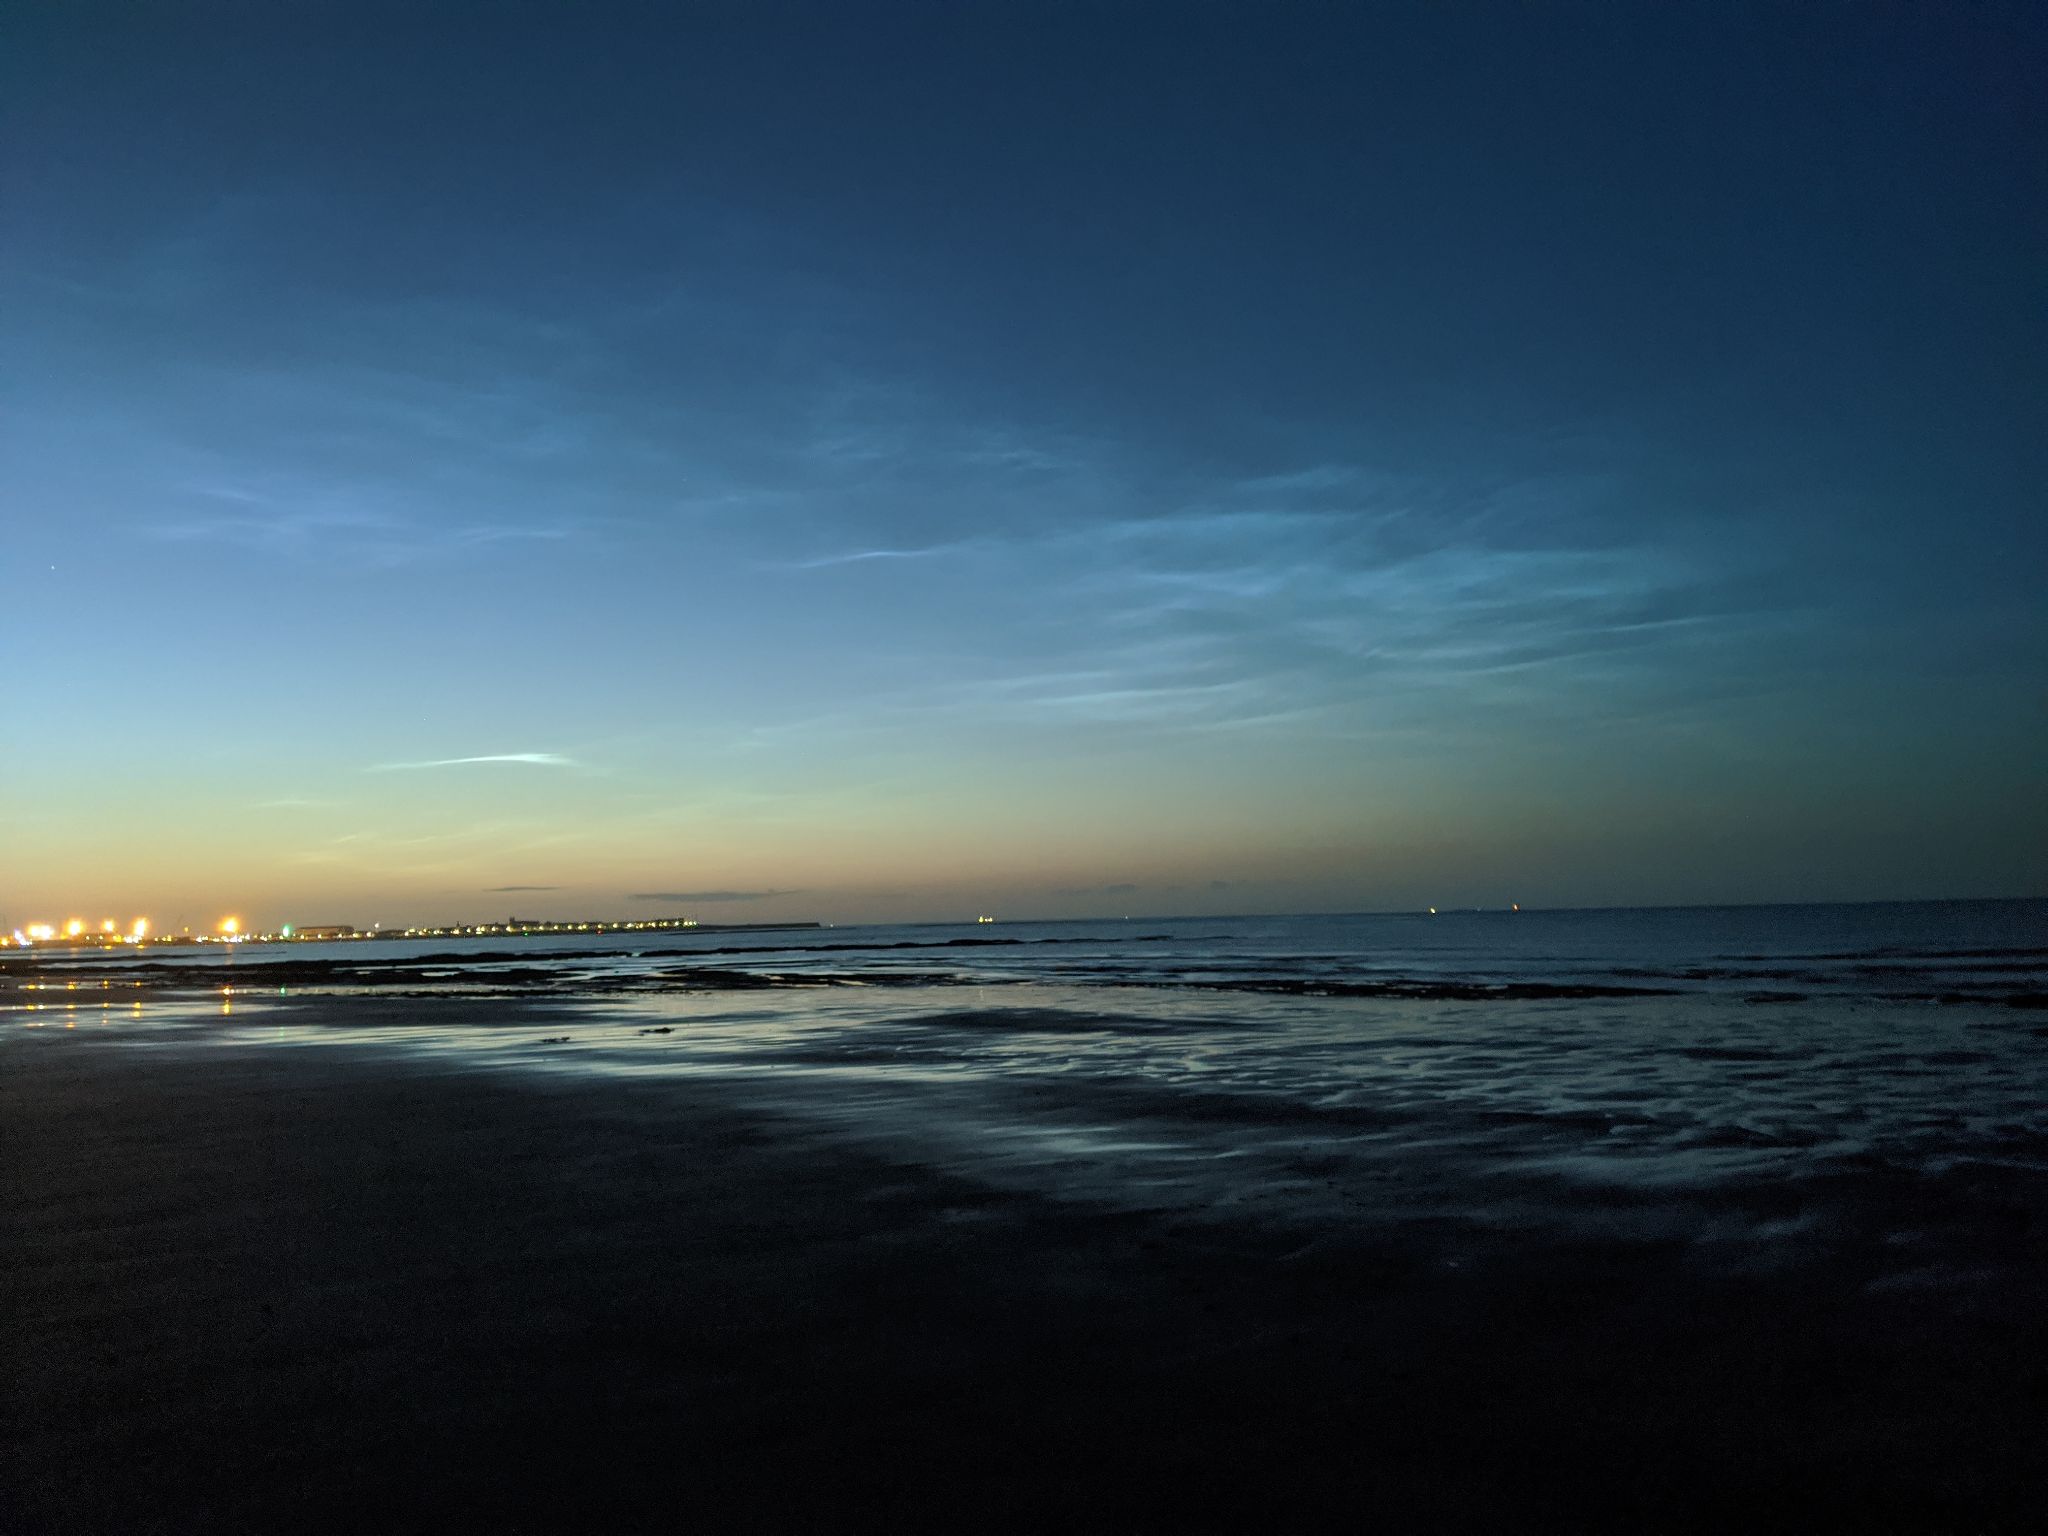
(530,759)
(707,896)
(1332,600)
(856,556)
(275,525)
(502,889)
(1119,888)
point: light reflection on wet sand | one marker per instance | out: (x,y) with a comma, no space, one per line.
(1287,1112)
(1481,1227)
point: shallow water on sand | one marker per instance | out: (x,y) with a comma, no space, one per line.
(1278,1065)
(1755,1128)
(1650,1204)
(1699,1050)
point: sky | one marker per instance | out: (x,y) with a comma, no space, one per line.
(906,462)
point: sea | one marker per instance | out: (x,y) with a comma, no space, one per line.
(1628,1220)
(1603,1066)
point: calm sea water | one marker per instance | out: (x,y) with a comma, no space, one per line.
(1878,1070)
(1659,1178)
(1907,951)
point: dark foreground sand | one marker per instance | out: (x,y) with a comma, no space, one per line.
(282,1289)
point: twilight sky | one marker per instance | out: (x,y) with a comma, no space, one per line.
(863,462)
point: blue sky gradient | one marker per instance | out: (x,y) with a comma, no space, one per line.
(898,462)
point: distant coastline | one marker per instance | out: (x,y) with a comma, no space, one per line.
(516,928)
(341,933)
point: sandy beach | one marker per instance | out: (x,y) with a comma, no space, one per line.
(330,1283)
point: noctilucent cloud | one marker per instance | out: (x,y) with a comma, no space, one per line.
(864,462)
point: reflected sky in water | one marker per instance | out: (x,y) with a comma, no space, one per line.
(1294,1114)
(1749,1075)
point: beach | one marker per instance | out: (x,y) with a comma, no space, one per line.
(361,1259)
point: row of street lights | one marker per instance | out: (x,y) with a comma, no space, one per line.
(75,930)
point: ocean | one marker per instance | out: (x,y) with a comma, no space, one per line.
(1625,1220)
(1202,1062)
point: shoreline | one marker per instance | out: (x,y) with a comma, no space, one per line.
(256,1285)
(556,973)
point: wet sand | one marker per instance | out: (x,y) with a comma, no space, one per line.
(339,1287)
